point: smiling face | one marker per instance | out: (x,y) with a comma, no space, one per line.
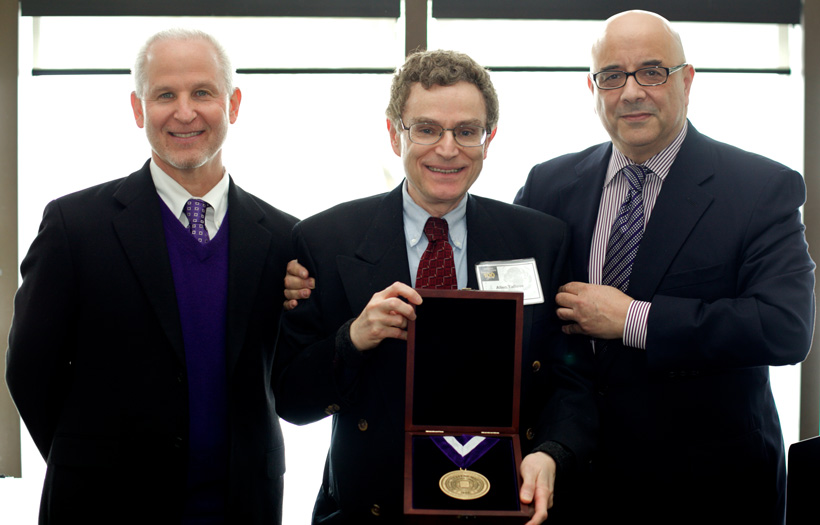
(440,174)
(185,109)
(641,120)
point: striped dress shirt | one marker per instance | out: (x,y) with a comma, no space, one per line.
(614,194)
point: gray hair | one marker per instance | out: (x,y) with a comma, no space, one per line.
(180,34)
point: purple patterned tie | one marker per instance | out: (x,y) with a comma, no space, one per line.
(436,267)
(195,211)
(627,231)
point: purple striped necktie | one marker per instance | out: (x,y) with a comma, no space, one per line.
(627,231)
(195,211)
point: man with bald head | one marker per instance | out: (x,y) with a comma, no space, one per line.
(692,277)
(141,351)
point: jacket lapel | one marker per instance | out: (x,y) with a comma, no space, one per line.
(141,233)
(381,257)
(379,261)
(680,205)
(485,239)
(486,242)
(248,246)
(579,202)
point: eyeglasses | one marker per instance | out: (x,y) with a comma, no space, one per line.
(426,134)
(646,76)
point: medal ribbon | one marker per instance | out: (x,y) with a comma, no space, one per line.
(465,450)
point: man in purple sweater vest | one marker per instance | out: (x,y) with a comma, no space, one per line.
(141,351)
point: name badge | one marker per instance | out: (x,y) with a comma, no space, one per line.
(520,275)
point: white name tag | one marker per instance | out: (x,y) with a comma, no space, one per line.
(520,275)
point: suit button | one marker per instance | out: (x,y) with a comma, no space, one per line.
(375,510)
(530,434)
(536,366)
(362,425)
(178,442)
(332,409)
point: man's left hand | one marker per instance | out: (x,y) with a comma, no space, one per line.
(538,476)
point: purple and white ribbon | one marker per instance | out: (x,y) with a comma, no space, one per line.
(464,450)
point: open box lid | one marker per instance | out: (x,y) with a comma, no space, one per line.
(464,362)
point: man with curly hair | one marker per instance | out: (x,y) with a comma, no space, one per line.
(343,348)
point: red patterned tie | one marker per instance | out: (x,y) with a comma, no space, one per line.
(436,268)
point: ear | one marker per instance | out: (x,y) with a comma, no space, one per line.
(395,137)
(136,107)
(487,142)
(590,85)
(688,75)
(233,111)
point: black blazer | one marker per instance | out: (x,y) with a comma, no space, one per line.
(96,364)
(725,264)
(358,248)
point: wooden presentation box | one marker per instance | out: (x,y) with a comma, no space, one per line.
(463,377)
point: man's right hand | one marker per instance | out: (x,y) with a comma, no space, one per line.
(595,310)
(385,316)
(298,284)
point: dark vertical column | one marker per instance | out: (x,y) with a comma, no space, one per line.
(9,421)
(810,374)
(415,13)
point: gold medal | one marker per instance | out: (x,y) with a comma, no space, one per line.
(464,484)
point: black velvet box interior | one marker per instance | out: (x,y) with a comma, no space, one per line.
(497,465)
(463,378)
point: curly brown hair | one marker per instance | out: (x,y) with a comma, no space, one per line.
(441,68)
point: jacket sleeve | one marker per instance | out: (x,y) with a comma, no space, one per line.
(769,319)
(568,415)
(41,341)
(316,364)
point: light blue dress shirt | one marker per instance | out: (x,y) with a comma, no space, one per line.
(415,217)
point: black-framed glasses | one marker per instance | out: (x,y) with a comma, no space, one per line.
(646,76)
(426,134)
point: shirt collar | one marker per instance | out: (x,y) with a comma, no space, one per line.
(175,196)
(659,164)
(415,217)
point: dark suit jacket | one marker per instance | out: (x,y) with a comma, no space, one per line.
(357,249)
(690,423)
(96,364)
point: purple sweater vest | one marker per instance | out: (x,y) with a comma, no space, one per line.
(201,283)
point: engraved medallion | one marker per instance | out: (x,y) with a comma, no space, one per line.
(464,484)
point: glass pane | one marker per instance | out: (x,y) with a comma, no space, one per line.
(291,147)
(564,43)
(112,42)
(556,43)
